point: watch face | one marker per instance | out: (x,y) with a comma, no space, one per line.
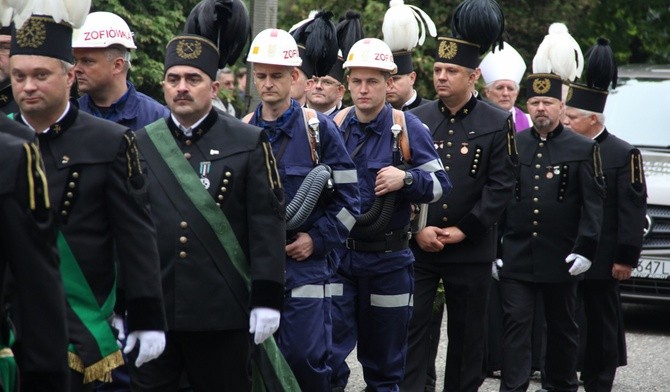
(409,179)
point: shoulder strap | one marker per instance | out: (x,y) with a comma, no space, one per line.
(312,136)
(247,118)
(403,139)
(341,115)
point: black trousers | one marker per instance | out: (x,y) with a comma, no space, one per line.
(518,302)
(212,361)
(466,289)
(605,337)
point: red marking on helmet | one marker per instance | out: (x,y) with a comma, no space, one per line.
(274,33)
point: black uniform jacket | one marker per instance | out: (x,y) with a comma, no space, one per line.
(624,207)
(96,186)
(478,151)
(235,160)
(417,102)
(28,249)
(557,208)
(7,103)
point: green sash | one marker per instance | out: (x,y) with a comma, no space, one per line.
(83,302)
(166,146)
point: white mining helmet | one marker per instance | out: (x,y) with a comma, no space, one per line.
(104,29)
(276,47)
(371,53)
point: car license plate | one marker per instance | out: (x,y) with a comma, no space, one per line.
(652,269)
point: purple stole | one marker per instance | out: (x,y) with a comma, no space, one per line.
(520,119)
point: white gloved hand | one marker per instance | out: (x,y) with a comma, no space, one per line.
(263,322)
(581,264)
(495,266)
(152,344)
(118,324)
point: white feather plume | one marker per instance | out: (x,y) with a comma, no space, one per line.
(404,26)
(559,54)
(6,13)
(72,12)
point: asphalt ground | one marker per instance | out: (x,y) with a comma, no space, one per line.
(648,342)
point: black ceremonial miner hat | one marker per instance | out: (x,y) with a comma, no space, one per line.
(544,85)
(192,50)
(42,36)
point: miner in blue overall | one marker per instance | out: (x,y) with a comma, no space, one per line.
(306,144)
(397,165)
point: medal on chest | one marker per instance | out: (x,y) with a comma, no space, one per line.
(205,167)
(464,148)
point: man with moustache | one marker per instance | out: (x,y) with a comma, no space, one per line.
(550,235)
(217,205)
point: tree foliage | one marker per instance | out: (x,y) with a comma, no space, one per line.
(639,30)
(154,23)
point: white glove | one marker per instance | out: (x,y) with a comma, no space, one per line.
(495,266)
(581,264)
(263,322)
(118,324)
(152,344)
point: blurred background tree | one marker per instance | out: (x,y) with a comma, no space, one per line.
(639,30)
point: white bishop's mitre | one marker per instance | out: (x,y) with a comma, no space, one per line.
(505,63)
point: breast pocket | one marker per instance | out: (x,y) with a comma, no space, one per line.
(294,175)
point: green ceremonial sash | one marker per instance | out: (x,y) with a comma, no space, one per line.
(162,139)
(83,302)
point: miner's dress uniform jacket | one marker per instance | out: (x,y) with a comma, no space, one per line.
(7,103)
(624,207)
(29,250)
(557,207)
(96,189)
(478,151)
(234,164)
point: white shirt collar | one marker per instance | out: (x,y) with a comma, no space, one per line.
(188,132)
(67,109)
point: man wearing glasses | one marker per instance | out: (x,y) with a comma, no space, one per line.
(326,93)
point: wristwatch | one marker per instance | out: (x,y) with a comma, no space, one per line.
(409,178)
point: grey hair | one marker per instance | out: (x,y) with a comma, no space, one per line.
(600,118)
(117,50)
(223,71)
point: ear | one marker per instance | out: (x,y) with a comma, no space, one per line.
(474,76)
(215,89)
(412,77)
(119,65)
(70,77)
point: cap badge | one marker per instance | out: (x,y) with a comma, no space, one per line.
(541,85)
(188,49)
(32,34)
(447,49)
(568,98)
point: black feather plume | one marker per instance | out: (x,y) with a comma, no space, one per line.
(349,31)
(601,69)
(319,38)
(225,23)
(480,22)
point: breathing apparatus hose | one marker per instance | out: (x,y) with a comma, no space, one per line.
(307,196)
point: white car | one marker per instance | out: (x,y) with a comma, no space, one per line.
(638,111)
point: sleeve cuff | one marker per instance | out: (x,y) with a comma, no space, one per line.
(471,227)
(267,294)
(627,254)
(145,314)
(586,247)
(317,242)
